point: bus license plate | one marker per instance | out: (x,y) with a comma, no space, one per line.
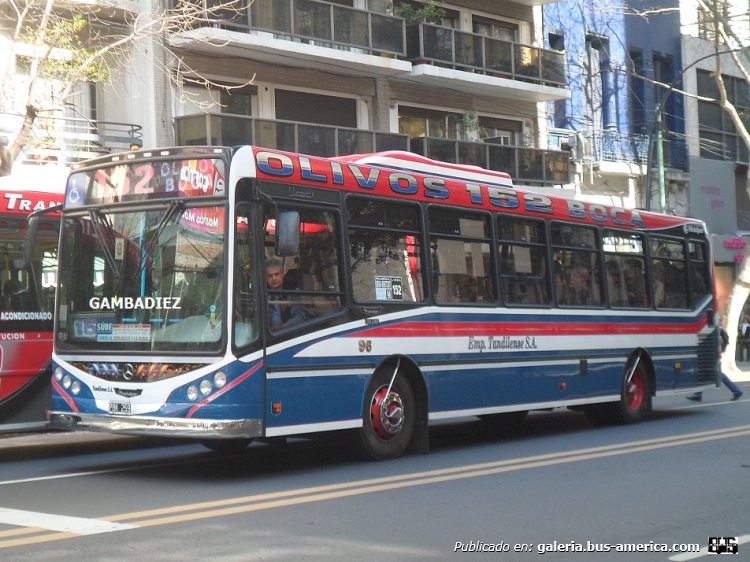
(119,408)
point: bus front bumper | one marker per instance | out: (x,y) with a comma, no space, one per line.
(168,427)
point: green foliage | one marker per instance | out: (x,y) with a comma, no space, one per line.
(69,36)
(429,12)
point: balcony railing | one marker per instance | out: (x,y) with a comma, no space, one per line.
(308,21)
(613,146)
(525,165)
(444,46)
(306,138)
(67,140)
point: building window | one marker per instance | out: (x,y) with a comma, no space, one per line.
(598,88)
(419,122)
(719,139)
(499,131)
(557,43)
(316,108)
(638,87)
(494,28)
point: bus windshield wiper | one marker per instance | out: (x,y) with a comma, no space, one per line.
(173,210)
(98,221)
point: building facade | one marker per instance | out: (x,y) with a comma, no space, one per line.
(719,191)
(613,56)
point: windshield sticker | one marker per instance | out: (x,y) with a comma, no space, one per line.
(388,288)
(205,219)
(126,333)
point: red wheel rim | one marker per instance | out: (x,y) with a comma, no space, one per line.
(386,413)
(635,391)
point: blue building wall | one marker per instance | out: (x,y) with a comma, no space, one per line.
(657,36)
(627,104)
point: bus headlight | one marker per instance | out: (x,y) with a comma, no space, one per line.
(75,388)
(192,393)
(205,387)
(58,373)
(66,382)
(220,379)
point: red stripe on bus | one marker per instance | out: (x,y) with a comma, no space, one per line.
(64,395)
(425,329)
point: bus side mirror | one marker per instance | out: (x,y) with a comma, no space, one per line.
(287,233)
(29,240)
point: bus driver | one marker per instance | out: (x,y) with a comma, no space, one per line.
(281,312)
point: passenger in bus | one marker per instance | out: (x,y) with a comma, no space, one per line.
(659,295)
(17,298)
(615,284)
(579,292)
(282,313)
(634,284)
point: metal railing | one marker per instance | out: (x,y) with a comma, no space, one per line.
(614,146)
(217,129)
(308,21)
(445,46)
(67,140)
(528,165)
(525,165)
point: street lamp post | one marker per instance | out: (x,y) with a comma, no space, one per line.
(657,132)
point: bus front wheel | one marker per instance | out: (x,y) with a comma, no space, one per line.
(388,418)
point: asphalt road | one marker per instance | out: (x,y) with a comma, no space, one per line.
(549,486)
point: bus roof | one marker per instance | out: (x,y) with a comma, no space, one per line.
(408,161)
(414,177)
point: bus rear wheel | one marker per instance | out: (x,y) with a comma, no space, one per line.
(634,404)
(388,418)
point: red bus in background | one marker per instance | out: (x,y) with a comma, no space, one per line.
(26,299)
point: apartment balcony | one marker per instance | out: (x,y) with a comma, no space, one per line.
(307,138)
(296,33)
(64,141)
(527,166)
(445,57)
(613,151)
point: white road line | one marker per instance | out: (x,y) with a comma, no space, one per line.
(703,551)
(61,523)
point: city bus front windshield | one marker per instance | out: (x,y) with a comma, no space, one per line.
(142,280)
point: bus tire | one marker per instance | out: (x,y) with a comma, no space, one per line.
(387,422)
(635,399)
(227,446)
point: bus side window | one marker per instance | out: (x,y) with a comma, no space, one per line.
(576,265)
(698,271)
(670,270)
(311,287)
(524,267)
(385,249)
(461,256)
(318,269)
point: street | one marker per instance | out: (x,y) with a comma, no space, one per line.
(545,488)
